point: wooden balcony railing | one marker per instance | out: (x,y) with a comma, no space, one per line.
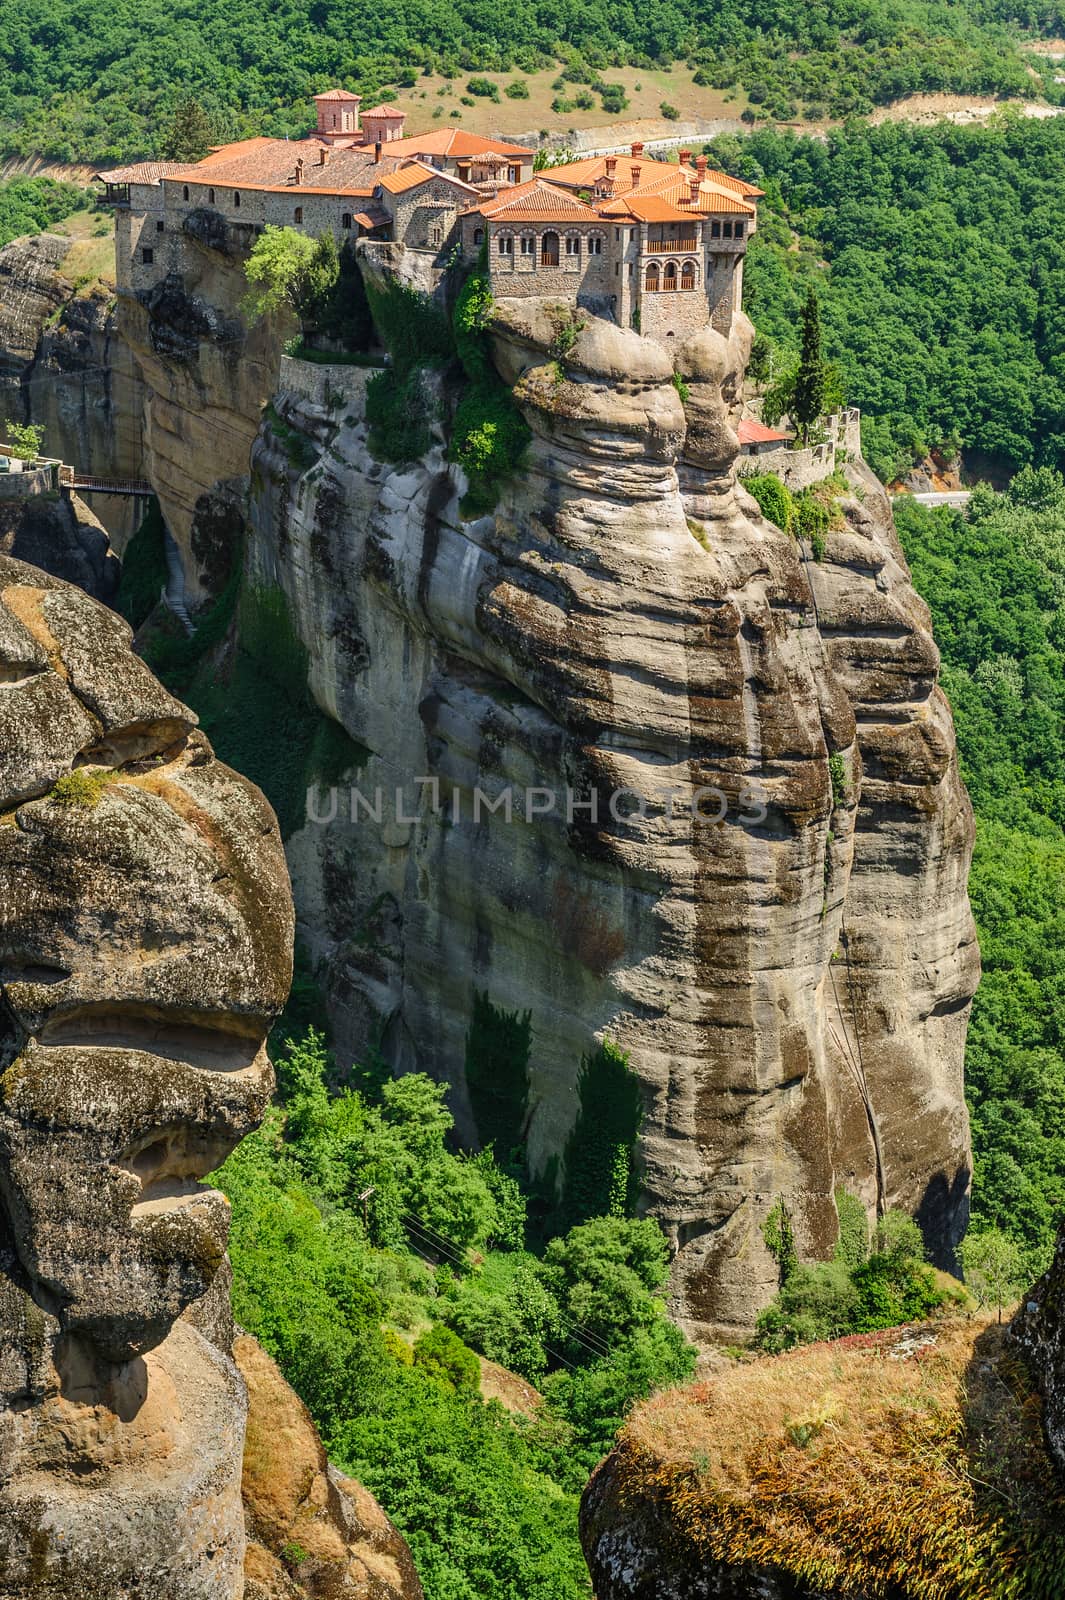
(671,247)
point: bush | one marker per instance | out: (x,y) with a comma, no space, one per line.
(774,499)
(81,789)
(670,113)
(399,412)
(442,1356)
(518,90)
(597,1165)
(484,88)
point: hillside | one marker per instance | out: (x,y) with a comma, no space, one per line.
(96,83)
(936,254)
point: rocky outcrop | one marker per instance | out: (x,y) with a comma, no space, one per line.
(1038,1334)
(145,949)
(886,1466)
(63,367)
(311,1531)
(791,983)
(59,534)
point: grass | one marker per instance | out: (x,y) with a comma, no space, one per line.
(81,789)
(91,258)
(909,1463)
(486,116)
(333,358)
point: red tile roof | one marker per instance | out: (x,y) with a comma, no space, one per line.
(454,142)
(270,164)
(383,112)
(141,172)
(337,94)
(749,431)
(645,208)
(536,201)
(418,172)
(712,196)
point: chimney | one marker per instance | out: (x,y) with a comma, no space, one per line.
(611,166)
(376,151)
(299,170)
(693,186)
(637,150)
(700,165)
(635,177)
(323,156)
(685,157)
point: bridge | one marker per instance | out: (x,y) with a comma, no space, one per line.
(90,483)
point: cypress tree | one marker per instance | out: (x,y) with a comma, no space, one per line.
(811,378)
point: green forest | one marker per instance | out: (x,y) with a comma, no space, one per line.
(373,1262)
(937,258)
(83,82)
(995,581)
(30,205)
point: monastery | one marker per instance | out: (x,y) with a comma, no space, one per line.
(650,244)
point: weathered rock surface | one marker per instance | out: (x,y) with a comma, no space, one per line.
(1038,1332)
(145,948)
(311,1531)
(792,991)
(63,537)
(63,366)
(885,1466)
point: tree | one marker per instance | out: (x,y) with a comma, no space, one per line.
(24,440)
(190,134)
(994,1269)
(808,399)
(286,268)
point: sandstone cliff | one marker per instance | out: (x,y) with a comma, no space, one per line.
(63,366)
(144,949)
(792,992)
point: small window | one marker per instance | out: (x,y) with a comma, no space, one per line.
(210,197)
(147,256)
(345,221)
(515,174)
(595,244)
(528,244)
(185,192)
(727,230)
(617,235)
(160,226)
(478,236)
(617,269)
(715,230)
(573,244)
(297,215)
(505,244)
(739,230)
(236,198)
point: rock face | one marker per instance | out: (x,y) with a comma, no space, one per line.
(146,941)
(310,1530)
(792,985)
(63,366)
(64,538)
(1038,1332)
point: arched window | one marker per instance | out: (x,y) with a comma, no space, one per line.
(210,197)
(345,221)
(595,244)
(528,244)
(297,215)
(236,198)
(185,192)
(650,281)
(478,236)
(505,245)
(549,249)
(573,244)
(669,280)
(687,275)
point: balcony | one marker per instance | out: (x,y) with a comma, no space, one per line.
(671,247)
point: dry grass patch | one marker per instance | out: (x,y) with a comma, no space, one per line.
(909,1464)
